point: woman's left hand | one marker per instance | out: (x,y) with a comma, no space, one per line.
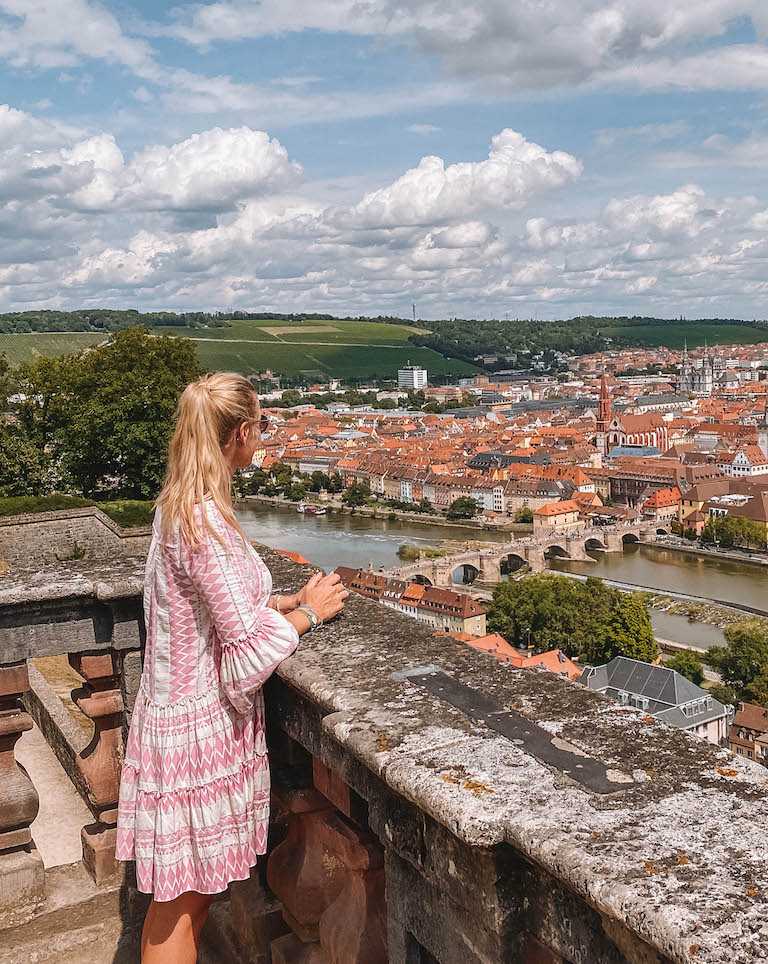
(289,603)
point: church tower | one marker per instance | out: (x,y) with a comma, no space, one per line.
(685,382)
(603,417)
(762,430)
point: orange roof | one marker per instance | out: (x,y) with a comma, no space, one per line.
(663,498)
(557,508)
(293,556)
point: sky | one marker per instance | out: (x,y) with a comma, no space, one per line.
(526,159)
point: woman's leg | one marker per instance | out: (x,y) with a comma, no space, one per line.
(172,928)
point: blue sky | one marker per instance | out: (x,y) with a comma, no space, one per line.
(269,155)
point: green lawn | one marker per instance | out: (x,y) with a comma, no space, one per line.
(274,330)
(24,348)
(675,335)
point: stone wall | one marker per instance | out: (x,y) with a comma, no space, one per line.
(432,804)
(68,534)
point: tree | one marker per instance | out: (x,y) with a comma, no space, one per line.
(387,404)
(724,694)
(744,658)
(462,508)
(689,665)
(630,632)
(259,479)
(318,481)
(524,514)
(106,415)
(290,397)
(357,494)
(297,491)
(335,483)
(425,506)
(24,468)
(554,612)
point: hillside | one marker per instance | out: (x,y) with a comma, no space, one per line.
(343,349)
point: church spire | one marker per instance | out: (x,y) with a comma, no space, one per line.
(604,406)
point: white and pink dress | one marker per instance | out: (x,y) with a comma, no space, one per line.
(194,792)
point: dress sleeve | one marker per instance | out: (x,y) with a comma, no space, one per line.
(251,638)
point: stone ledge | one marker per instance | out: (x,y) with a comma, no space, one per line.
(679,856)
(674,861)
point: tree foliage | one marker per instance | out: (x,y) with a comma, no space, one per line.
(734,531)
(105,416)
(357,494)
(590,618)
(462,508)
(689,665)
(743,662)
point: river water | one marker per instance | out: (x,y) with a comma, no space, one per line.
(334,540)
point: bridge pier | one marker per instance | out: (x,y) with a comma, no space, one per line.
(490,569)
(535,558)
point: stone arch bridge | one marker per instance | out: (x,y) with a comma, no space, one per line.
(485,565)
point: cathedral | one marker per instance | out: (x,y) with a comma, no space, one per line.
(617,430)
(711,375)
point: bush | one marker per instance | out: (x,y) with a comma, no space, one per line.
(129,512)
(23,504)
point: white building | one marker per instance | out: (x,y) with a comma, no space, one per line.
(412,377)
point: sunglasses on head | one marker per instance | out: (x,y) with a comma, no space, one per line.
(263,422)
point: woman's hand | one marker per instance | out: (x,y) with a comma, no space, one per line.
(325,595)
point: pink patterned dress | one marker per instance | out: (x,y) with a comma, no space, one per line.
(194,793)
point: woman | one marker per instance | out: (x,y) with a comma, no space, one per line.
(194,793)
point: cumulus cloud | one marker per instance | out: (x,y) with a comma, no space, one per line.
(83,223)
(523,46)
(515,171)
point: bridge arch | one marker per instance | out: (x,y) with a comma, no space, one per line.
(556,552)
(630,537)
(593,544)
(421,579)
(464,574)
(662,531)
(512,562)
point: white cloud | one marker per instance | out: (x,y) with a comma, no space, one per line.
(646,43)
(516,170)
(217,219)
(423,129)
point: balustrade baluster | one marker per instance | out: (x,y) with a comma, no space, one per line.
(100,762)
(22,876)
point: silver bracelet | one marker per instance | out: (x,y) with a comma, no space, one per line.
(315,622)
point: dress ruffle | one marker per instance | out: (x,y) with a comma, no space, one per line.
(251,659)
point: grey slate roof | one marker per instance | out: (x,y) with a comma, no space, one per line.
(666,691)
(636,451)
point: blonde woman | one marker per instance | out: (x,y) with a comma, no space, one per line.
(194,793)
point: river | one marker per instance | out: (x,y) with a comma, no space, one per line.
(334,540)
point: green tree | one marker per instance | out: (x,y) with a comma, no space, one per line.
(425,506)
(259,479)
(297,491)
(744,658)
(357,494)
(462,508)
(290,397)
(387,404)
(318,481)
(24,468)
(630,632)
(724,694)
(106,415)
(689,665)
(335,483)
(524,514)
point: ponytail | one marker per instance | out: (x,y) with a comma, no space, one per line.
(209,411)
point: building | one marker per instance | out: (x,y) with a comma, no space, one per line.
(662,693)
(555,660)
(442,609)
(663,505)
(710,375)
(556,516)
(412,377)
(745,462)
(749,732)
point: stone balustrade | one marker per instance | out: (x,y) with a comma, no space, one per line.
(430,803)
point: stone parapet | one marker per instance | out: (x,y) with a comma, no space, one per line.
(433,804)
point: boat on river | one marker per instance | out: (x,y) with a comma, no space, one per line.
(310,509)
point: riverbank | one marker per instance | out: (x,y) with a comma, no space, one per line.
(730,555)
(384,512)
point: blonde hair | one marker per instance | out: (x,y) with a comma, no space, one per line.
(209,411)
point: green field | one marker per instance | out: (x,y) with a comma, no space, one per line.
(334,360)
(24,348)
(675,335)
(352,349)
